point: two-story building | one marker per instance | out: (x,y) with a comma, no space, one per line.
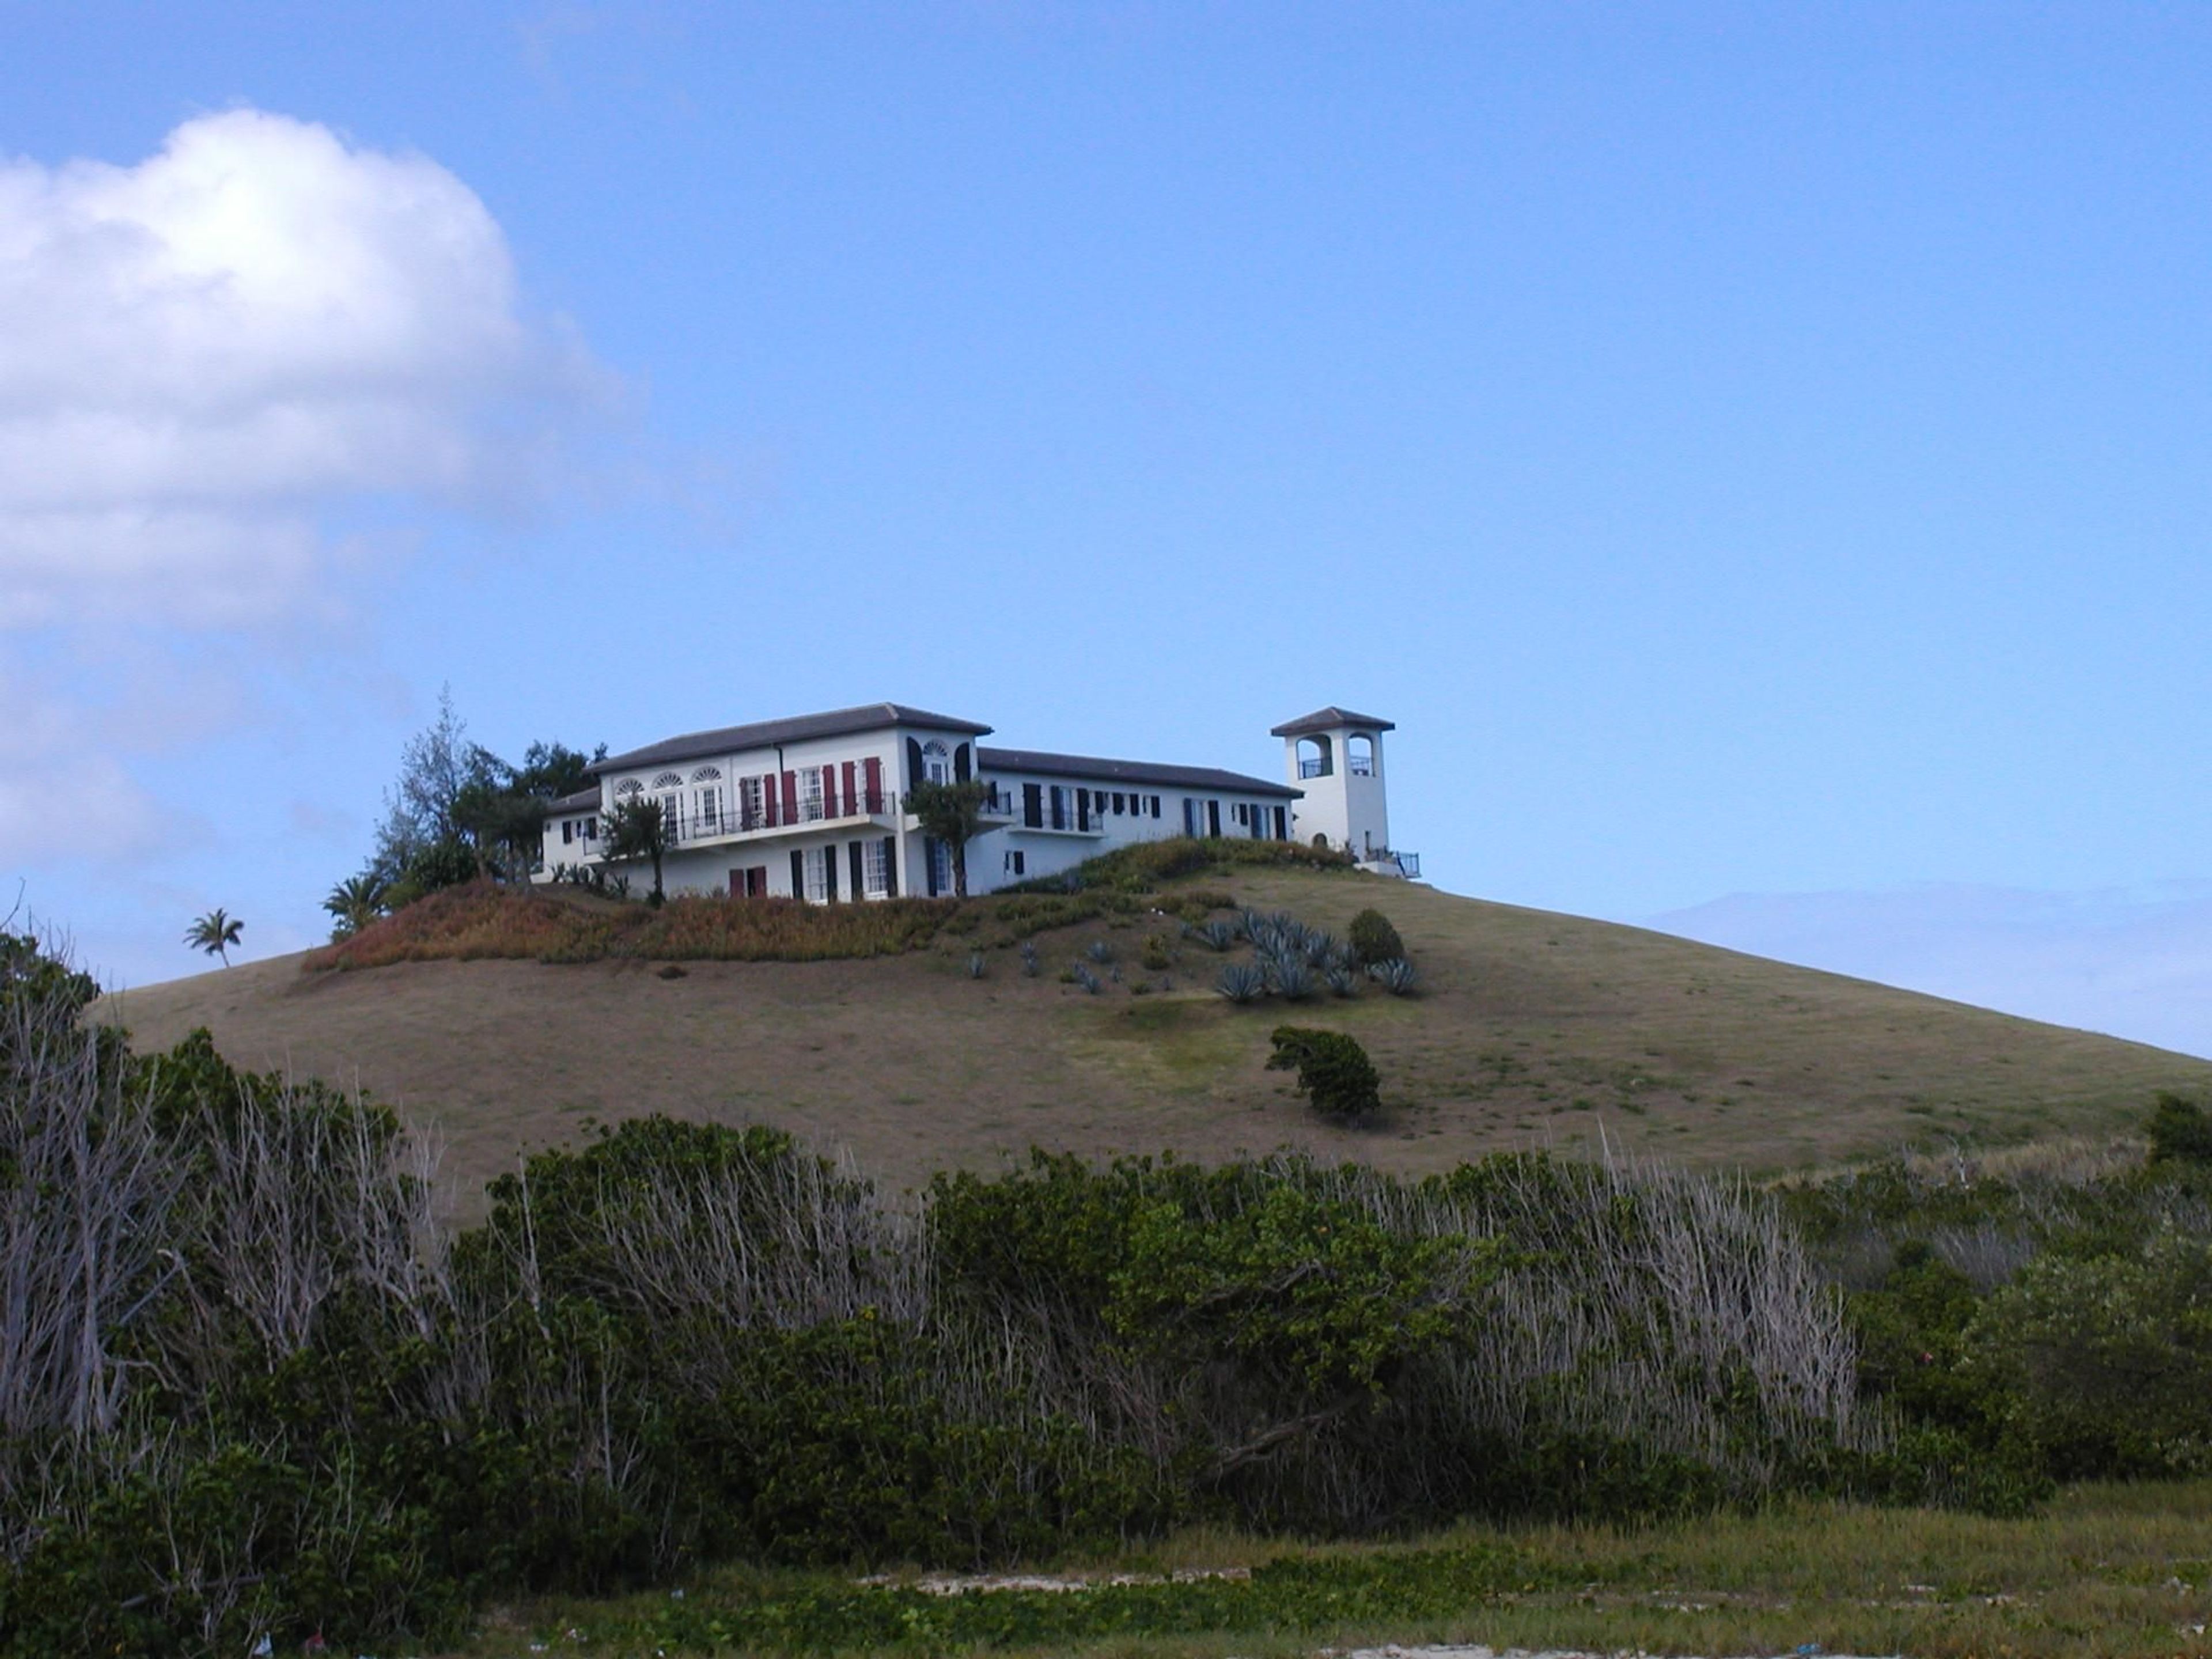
(813,807)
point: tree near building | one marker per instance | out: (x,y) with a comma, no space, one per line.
(356,901)
(215,933)
(634,830)
(951,813)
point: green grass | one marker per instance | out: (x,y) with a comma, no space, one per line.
(2107,1570)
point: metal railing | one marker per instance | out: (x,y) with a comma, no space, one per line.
(1314,769)
(680,828)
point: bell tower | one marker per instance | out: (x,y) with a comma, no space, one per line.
(1336,757)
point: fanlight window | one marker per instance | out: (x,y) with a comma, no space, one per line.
(628,788)
(669,781)
(937,763)
(708,774)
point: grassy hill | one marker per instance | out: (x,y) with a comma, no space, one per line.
(1532,1029)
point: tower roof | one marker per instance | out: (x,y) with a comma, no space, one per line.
(1328,719)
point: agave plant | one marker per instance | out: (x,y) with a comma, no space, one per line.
(1029,958)
(1240,982)
(1217,935)
(1340,980)
(1321,946)
(1099,951)
(1396,976)
(1089,980)
(975,964)
(1294,980)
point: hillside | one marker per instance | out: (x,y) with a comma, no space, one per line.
(1532,1029)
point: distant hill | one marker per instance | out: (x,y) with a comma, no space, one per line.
(1531,1029)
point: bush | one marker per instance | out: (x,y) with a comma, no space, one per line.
(1240,982)
(1396,975)
(1374,939)
(2180,1132)
(1334,1073)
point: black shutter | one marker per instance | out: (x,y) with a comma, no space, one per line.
(960,768)
(798,873)
(890,865)
(929,862)
(1213,817)
(915,774)
(830,872)
(1033,806)
(860,886)
(1282,830)
(1083,809)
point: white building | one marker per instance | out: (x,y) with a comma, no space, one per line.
(811,807)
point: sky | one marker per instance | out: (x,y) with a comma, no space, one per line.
(1756,453)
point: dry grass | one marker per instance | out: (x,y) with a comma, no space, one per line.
(1533,1030)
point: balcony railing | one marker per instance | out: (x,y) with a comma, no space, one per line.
(1314,769)
(684,828)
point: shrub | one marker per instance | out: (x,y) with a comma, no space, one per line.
(2180,1132)
(1396,975)
(1216,935)
(1240,982)
(1290,977)
(1374,939)
(1334,1073)
(1155,956)
(1099,951)
(976,964)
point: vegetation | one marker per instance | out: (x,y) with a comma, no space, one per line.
(456,812)
(1374,939)
(215,933)
(2107,1571)
(1335,1074)
(951,813)
(636,829)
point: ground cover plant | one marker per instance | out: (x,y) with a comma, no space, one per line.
(259,1386)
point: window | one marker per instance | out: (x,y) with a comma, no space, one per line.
(628,789)
(940,867)
(1359,754)
(708,801)
(568,830)
(1190,819)
(817,875)
(937,763)
(749,802)
(1120,803)
(1016,864)
(590,829)
(1155,806)
(669,781)
(1033,806)
(1098,802)
(875,868)
(1059,807)
(1241,812)
(809,792)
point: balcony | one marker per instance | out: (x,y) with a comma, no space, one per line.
(696,828)
(1315,769)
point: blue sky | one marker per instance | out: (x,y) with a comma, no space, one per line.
(1751,451)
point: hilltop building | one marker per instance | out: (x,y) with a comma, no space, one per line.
(813,807)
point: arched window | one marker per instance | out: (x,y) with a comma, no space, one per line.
(936,763)
(707,798)
(1359,754)
(1315,758)
(669,781)
(628,789)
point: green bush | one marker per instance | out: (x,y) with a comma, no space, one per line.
(1374,939)
(1334,1073)
(2180,1132)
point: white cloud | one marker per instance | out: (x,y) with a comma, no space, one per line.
(206,353)
(212,361)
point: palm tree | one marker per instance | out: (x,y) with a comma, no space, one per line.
(357,901)
(215,933)
(634,830)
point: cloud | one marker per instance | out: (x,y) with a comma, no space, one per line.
(209,353)
(217,364)
(2132,962)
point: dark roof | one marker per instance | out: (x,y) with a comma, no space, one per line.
(1121,771)
(727,740)
(1325,719)
(584,800)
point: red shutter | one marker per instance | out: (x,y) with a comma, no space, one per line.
(873,769)
(769,816)
(852,799)
(791,798)
(828,792)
